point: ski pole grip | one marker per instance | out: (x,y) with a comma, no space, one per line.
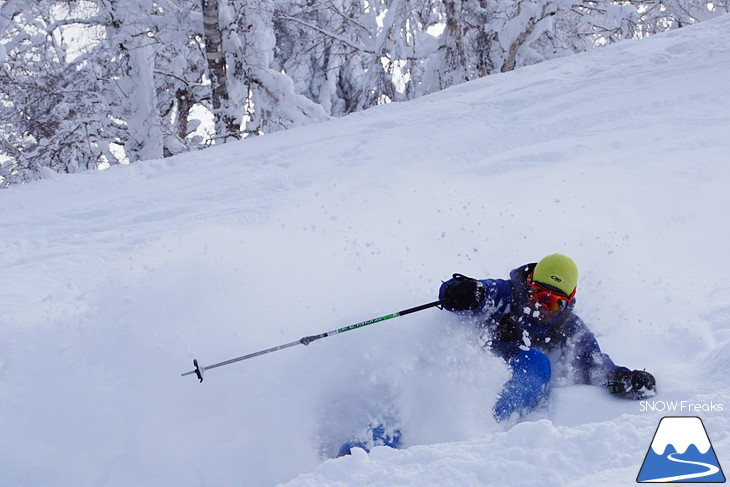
(309,339)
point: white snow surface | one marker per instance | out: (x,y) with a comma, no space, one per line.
(113,281)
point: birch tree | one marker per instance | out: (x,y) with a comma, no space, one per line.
(227,103)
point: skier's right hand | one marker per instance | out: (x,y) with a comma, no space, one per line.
(635,384)
(463,293)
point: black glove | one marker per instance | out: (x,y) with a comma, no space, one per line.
(464,293)
(636,384)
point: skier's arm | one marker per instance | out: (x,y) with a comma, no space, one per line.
(598,369)
(468,295)
(593,365)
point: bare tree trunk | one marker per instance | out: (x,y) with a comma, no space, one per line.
(225,121)
(185,100)
(455,22)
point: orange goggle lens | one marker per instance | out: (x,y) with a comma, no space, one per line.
(547,298)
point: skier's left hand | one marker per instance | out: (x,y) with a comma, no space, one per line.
(636,384)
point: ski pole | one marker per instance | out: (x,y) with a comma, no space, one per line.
(199,371)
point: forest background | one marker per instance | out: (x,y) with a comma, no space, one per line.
(86,84)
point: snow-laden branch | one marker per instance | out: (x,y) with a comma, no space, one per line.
(338,37)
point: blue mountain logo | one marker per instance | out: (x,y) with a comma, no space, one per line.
(681,452)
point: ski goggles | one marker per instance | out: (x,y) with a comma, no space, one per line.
(548,298)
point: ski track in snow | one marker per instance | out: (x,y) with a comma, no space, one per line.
(711,469)
(114,281)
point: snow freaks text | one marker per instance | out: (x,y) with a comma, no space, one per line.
(680,407)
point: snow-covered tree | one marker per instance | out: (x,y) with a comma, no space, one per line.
(271,102)
(180,69)
(465,46)
(661,15)
(130,39)
(249,96)
(349,55)
(90,83)
(53,106)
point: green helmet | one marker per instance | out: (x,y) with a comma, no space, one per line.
(558,271)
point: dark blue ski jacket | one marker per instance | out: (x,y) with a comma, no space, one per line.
(505,322)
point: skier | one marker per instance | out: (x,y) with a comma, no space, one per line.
(528,321)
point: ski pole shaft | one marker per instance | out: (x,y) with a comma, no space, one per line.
(199,371)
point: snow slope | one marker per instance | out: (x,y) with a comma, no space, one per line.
(112,282)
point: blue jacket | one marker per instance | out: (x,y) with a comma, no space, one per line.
(507,328)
